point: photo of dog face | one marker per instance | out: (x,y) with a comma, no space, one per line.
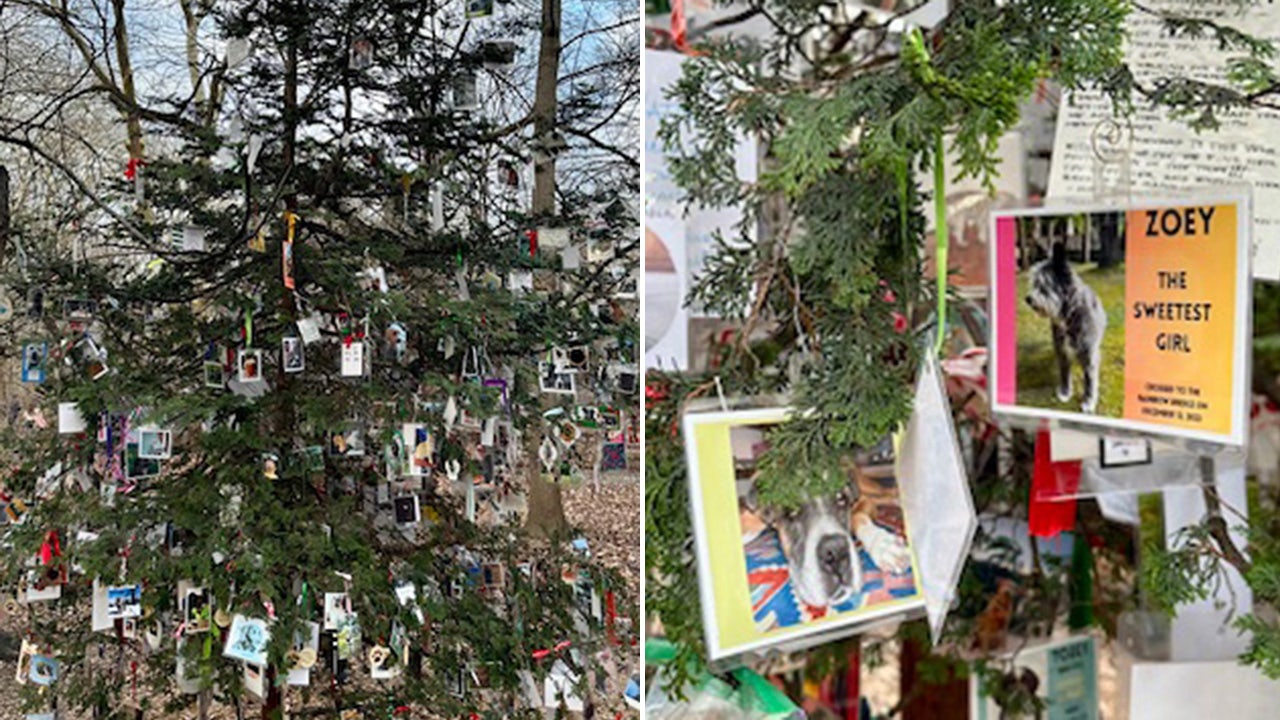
(829,545)
(1078,322)
(819,548)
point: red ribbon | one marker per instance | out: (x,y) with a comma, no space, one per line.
(532,237)
(131,170)
(539,654)
(610,616)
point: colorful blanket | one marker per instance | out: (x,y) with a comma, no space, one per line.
(773,602)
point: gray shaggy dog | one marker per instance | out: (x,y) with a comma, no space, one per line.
(1077,318)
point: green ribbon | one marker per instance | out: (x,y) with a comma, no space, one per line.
(941,232)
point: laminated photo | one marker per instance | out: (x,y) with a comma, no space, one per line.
(552,381)
(306,650)
(773,576)
(137,467)
(1135,317)
(419,449)
(197,608)
(124,602)
(33,358)
(1062,675)
(247,640)
(154,444)
(44,669)
(347,442)
(249,364)
(254,680)
(335,610)
(292,354)
(213,377)
(407,510)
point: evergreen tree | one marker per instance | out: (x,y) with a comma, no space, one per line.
(849,110)
(306,339)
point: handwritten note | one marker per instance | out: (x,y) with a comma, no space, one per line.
(1098,155)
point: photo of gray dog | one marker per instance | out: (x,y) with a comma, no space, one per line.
(1077,321)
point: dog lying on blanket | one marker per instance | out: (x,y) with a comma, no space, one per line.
(818,540)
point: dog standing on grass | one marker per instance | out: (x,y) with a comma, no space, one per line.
(1077,318)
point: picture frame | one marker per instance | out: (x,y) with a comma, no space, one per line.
(213,374)
(1165,298)
(154,444)
(479,8)
(247,640)
(196,604)
(124,601)
(34,356)
(347,442)
(759,589)
(553,382)
(137,467)
(292,354)
(249,365)
(419,446)
(407,510)
(335,610)
(43,669)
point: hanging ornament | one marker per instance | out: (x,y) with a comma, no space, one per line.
(450,413)
(286,250)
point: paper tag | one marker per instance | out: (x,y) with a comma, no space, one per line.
(553,238)
(193,238)
(570,258)
(255,147)
(70,421)
(309,329)
(353,359)
(237,51)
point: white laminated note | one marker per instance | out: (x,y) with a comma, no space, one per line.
(70,421)
(1153,155)
(353,359)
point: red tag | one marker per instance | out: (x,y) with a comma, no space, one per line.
(610,616)
(1053,488)
(50,549)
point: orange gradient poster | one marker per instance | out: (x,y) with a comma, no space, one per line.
(1132,318)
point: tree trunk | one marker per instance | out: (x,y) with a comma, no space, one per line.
(273,705)
(544,111)
(546,504)
(133,124)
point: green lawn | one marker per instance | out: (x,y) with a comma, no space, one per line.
(1037,368)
